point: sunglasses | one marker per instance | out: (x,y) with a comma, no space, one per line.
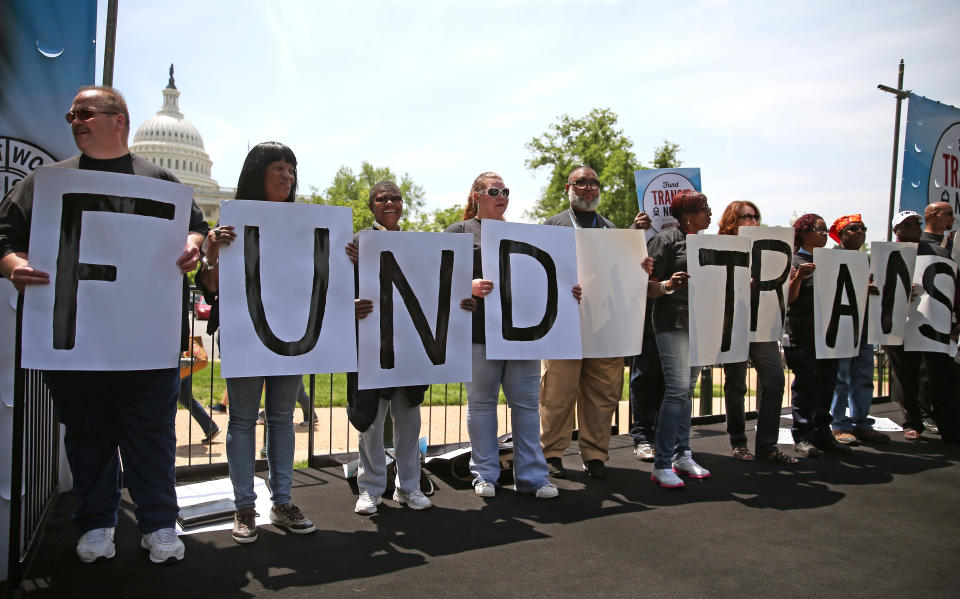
(856,228)
(583,183)
(385,199)
(752,217)
(84,114)
(496,191)
(822,230)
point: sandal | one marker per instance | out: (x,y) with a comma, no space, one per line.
(775,455)
(743,454)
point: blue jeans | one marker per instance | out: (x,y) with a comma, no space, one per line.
(679,378)
(854,388)
(197,411)
(521,387)
(281,398)
(110,416)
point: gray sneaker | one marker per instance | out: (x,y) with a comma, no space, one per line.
(96,544)
(290,518)
(164,545)
(245,525)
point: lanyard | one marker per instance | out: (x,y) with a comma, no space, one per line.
(576,223)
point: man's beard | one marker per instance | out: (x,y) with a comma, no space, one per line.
(579,203)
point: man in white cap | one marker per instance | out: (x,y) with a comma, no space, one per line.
(904,365)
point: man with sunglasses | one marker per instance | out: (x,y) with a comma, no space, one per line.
(107,414)
(939,373)
(591,386)
(854,386)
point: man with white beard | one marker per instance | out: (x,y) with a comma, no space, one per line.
(593,385)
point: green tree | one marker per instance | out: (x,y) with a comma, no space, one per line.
(353,190)
(438,219)
(596,141)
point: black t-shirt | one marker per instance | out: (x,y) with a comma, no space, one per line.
(473,226)
(799,321)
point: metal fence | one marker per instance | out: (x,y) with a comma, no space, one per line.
(35,438)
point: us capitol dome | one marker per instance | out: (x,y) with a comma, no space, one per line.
(171,141)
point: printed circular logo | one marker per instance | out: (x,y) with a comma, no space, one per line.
(658,195)
(944,184)
(19,158)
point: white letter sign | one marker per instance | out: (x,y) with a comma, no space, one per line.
(110,244)
(531,312)
(891,265)
(929,319)
(839,301)
(771,256)
(719,267)
(417,333)
(286,290)
(614,291)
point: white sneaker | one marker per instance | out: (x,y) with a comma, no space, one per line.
(415,500)
(485,489)
(366,504)
(644,451)
(96,544)
(666,478)
(547,491)
(164,544)
(685,464)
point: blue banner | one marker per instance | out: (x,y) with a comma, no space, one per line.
(47,51)
(931,155)
(656,188)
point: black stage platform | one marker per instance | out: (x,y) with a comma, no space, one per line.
(881,523)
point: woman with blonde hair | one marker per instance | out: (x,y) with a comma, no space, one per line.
(765,356)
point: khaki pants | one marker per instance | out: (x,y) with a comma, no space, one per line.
(595,386)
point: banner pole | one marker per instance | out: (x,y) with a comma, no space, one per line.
(110,42)
(896,146)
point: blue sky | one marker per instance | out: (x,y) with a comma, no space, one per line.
(774,102)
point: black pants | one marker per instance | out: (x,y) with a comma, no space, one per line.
(811,394)
(766,360)
(905,384)
(940,378)
(646,389)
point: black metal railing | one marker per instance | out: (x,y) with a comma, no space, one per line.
(35,464)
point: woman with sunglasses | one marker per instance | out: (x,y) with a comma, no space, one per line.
(269,174)
(813,379)
(520,379)
(765,356)
(668,289)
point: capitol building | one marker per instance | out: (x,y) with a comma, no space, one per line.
(171,141)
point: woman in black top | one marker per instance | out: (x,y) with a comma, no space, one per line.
(668,289)
(813,379)
(765,356)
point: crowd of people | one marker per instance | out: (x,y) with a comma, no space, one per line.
(129,415)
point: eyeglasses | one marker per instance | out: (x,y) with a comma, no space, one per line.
(583,183)
(748,216)
(822,230)
(84,114)
(496,191)
(384,199)
(856,228)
